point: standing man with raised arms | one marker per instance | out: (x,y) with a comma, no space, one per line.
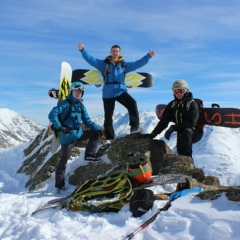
(114,69)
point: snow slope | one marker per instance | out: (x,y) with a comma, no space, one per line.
(188,218)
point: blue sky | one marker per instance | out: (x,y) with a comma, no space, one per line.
(195,40)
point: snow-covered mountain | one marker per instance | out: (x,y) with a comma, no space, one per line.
(148,121)
(16,129)
(188,218)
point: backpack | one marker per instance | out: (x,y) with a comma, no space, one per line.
(106,194)
(141,201)
(139,168)
(199,102)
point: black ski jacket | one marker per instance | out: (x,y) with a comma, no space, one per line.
(184,113)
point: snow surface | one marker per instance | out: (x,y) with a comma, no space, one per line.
(188,218)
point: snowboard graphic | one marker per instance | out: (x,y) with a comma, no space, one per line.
(64,86)
(132,79)
(221,117)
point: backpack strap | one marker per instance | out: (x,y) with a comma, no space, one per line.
(123,65)
(173,104)
(107,63)
(68,113)
(69,110)
(189,103)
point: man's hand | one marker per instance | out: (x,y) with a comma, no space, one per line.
(80,46)
(169,133)
(149,135)
(151,53)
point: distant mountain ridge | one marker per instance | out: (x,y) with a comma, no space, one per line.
(148,120)
(16,129)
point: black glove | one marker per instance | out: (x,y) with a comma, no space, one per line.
(65,129)
(149,135)
(100,133)
(169,132)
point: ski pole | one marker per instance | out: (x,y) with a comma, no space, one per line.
(150,220)
(172,197)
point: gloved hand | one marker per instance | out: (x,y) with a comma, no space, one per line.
(65,129)
(169,132)
(100,133)
(150,135)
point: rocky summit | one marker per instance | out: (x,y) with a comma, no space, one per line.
(40,163)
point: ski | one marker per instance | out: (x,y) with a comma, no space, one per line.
(163,179)
(34,192)
(54,203)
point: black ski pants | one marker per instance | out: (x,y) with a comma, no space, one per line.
(185,141)
(109,104)
(91,149)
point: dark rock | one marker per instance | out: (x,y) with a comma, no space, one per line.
(40,163)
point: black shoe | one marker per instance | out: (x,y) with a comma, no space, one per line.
(108,142)
(91,158)
(58,190)
(136,130)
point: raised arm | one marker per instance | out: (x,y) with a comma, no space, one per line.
(80,46)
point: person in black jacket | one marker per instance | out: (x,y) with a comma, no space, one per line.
(184,113)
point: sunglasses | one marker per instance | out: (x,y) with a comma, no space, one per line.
(78,87)
(179,91)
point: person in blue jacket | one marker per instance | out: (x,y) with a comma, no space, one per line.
(114,88)
(68,123)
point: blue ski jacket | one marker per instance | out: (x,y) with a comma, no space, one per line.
(114,81)
(77,115)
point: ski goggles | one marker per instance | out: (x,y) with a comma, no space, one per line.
(180,91)
(78,87)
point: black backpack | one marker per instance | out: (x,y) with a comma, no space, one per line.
(141,201)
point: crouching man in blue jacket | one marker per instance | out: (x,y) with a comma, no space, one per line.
(68,123)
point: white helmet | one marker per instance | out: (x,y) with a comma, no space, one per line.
(180,84)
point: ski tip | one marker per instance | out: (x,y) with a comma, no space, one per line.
(185,192)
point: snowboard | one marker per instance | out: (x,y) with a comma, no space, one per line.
(64,86)
(132,79)
(215,116)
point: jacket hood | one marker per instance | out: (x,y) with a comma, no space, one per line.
(109,58)
(73,99)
